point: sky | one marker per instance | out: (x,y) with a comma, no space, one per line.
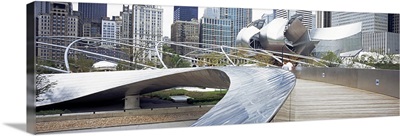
(115,9)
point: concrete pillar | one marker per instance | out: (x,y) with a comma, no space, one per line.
(132,102)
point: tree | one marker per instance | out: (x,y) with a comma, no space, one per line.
(173,61)
(44,63)
(262,58)
(82,63)
(331,57)
(241,54)
(371,59)
(122,65)
(43,85)
(215,59)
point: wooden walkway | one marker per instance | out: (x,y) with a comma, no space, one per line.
(311,100)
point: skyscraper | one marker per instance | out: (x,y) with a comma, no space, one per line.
(280,13)
(314,22)
(118,28)
(184,31)
(211,13)
(92,12)
(108,31)
(371,22)
(240,18)
(287,14)
(323,19)
(375,35)
(147,25)
(185,13)
(216,31)
(126,17)
(393,23)
(58,22)
(42,7)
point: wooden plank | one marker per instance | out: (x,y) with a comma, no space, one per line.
(311,100)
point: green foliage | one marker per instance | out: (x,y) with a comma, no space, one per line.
(174,61)
(122,65)
(330,56)
(385,66)
(82,63)
(198,97)
(43,85)
(54,111)
(215,59)
(382,63)
(41,70)
(263,58)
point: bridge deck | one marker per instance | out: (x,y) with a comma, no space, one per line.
(311,100)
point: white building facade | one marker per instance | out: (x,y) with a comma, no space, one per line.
(109,30)
(147,26)
(375,35)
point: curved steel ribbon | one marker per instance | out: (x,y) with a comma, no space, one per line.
(255,94)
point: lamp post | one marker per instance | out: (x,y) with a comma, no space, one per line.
(282,54)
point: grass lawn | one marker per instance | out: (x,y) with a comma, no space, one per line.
(199,98)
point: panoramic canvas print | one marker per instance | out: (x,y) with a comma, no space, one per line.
(99,66)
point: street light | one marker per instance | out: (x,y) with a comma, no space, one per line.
(282,54)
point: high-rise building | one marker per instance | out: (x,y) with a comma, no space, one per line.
(118,28)
(216,31)
(91,29)
(211,13)
(92,12)
(323,19)
(60,21)
(381,42)
(90,18)
(108,32)
(111,30)
(147,25)
(126,28)
(185,13)
(307,18)
(240,18)
(280,13)
(375,35)
(287,14)
(314,22)
(371,22)
(42,7)
(185,31)
(393,23)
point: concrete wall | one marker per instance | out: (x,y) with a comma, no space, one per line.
(379,81)
(136,112)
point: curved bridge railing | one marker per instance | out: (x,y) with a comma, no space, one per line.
(254,94)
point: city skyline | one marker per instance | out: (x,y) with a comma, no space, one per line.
(168,14)
(164,27)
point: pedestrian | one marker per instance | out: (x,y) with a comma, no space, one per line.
(285,66)
(289,65)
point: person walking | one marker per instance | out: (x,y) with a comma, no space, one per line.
(289,65)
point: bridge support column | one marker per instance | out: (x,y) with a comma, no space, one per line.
(132,102)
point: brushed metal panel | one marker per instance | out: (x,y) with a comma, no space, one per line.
(295,31)
(255,94)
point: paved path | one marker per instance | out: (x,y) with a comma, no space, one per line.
(311,100)
(132,127)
